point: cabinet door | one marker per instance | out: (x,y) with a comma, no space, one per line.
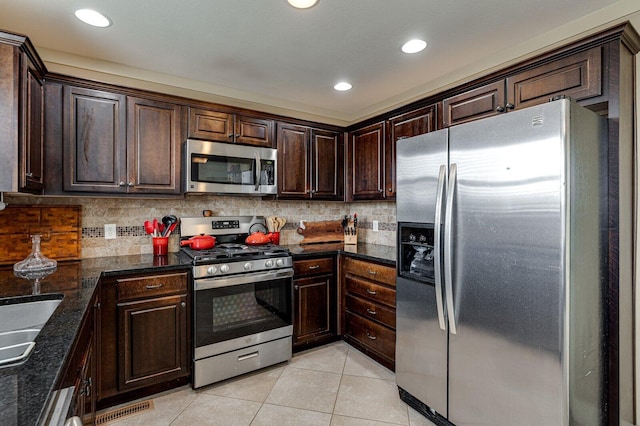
(578,76)
(254,131)
(152,341)
(94,135)
(366,163)
(475,104)
(210,125)
(327,167)
(32,142)
(314,309)
(153,146)
(293,161)
(403,126)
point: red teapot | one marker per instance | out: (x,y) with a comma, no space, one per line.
(259,238)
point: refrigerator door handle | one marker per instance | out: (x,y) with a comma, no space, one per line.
(437,244)
(448,225)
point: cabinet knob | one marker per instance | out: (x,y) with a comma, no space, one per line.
(295,287)
(499,108)
(29,174)
(237,135)
(130,184)
(230,135)
(121,183)
(183,304)
(510,105)
(381,190)
(390,189)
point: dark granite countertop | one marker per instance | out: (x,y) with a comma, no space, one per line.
(371,252)
(25,390)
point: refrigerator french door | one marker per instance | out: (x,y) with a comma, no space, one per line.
(510,331)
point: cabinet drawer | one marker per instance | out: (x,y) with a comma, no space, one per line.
(372,334)
(370,271)
(371,291)
(371,310)
(145,287)
(303,268)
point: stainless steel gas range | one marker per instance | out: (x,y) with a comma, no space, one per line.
(242,299)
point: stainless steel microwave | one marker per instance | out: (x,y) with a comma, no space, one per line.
(224,168)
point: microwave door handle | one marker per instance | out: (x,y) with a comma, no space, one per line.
(442,314)
(257,172)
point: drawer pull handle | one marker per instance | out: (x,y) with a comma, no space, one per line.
(248,356)
(314,267)
(371,336)
(372,272)
(153,287)
(372,292)
(371,312)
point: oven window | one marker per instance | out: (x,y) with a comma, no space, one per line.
(222,169)
(240,310)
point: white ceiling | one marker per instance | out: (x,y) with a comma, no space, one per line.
(267,52)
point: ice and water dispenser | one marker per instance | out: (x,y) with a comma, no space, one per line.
(416,251)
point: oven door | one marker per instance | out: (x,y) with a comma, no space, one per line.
(230,309)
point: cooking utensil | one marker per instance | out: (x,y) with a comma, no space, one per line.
(148,227)
(156,231)
(171,228)
(168,221)
(200,242)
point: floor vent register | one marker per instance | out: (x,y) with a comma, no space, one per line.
(120,413)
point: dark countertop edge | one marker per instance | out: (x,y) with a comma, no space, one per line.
(371,252)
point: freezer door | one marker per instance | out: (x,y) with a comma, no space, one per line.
(506,358)
(421,346)
(418,161)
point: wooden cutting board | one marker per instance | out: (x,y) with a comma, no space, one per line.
(60,228)
(329,231)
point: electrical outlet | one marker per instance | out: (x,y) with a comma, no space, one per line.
(110,231)
(375,226)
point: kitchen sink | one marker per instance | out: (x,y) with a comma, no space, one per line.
(20,324)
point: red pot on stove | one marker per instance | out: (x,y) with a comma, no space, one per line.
(200,242)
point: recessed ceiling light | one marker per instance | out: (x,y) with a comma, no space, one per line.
(414,46)
(342,86)
(91,17)
(302,4)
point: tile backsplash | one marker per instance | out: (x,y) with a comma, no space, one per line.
(129,215)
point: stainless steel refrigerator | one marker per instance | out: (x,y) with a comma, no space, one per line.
(501,269)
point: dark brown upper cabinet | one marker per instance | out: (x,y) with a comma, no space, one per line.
(21,115)
(310,163)
(423,120)
(116,144)
(578,76)
(366,163)
(235,128)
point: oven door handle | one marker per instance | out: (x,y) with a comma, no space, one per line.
(207,283)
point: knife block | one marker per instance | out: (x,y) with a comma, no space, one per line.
(350,239)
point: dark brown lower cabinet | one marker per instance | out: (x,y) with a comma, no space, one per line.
(152,341)
(314,302)
(144,335)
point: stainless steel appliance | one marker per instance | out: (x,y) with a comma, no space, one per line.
(504,324)
(224,168)
(242,299)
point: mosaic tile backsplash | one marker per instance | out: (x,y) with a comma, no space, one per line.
(130,214)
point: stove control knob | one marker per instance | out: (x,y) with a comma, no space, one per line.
(280,262)
(212,270)
(224,268)
(247,266)
(269,263)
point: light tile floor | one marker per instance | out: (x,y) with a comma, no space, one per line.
(334,385)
